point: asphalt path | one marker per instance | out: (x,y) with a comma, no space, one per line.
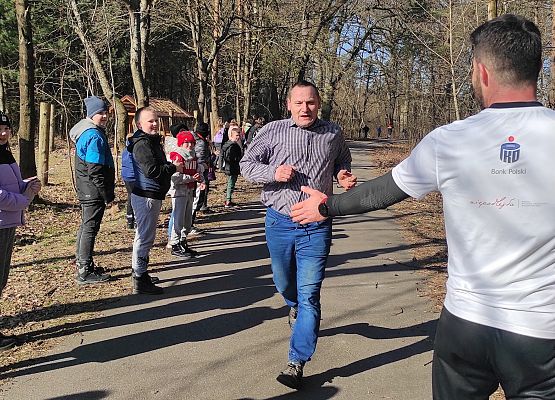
(220,330)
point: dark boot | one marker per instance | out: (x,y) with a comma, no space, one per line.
(153,279)
(143,285)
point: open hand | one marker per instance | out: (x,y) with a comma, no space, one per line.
(307,211)
(346,179)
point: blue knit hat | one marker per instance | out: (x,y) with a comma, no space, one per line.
(94,106)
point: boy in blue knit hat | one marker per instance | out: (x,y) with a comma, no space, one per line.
(95,183)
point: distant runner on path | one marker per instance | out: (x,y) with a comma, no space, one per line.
(496,173)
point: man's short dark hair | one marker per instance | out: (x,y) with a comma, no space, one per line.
(303,83)
(512,45)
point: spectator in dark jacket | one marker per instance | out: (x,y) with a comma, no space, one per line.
(250,134)
(232,153)
(152,182)
(95,181)
(204,156)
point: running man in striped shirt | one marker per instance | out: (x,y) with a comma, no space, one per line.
(299,151)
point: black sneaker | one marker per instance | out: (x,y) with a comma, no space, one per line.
(95,276)
(177,250)
(292,317)
(291,376)
(7,342)
(143,285)
(153,279)
(192,253)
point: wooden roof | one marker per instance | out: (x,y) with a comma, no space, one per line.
(163,107)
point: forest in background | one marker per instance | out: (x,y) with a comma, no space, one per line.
(404,62)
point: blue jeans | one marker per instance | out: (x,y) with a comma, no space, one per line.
(299,254)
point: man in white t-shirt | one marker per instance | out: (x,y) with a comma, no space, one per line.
(496,173)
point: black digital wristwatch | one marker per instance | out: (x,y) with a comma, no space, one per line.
(323,209)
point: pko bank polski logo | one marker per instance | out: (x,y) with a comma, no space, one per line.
(510,151)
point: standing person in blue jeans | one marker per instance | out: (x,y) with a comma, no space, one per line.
(286,155)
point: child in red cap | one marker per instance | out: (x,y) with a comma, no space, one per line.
(182,192)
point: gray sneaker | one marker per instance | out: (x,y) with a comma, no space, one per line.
(292,375)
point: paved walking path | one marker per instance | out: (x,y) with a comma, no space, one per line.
(220,331)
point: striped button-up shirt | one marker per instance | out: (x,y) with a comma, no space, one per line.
(317,154)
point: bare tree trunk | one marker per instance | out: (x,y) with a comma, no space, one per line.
(214,105)
(214,77)
(452,62)
(3,100)
(137,53)
(146,7)
(121,112)
(252,41)
(26,90)
(193,11)
(492,9)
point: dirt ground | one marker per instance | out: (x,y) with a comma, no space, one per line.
(41,297)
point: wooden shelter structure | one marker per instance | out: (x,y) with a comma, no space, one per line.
(168,112)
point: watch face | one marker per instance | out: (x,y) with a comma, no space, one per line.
(323,209)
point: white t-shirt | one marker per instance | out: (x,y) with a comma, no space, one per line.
(496,173)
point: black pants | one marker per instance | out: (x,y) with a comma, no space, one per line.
(203,194)
(471,360)
(7,239)
(91,217)
(130,215)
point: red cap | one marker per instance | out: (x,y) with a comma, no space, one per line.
(185,137)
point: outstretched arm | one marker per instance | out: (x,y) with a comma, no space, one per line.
(372,195)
